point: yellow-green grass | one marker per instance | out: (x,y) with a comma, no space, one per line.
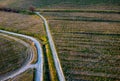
(26,76)
(12,55)
(88,50)
(52,70)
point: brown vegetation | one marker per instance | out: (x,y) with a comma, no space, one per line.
(88,50)
(27,24)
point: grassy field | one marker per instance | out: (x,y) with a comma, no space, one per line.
(12,55)
(88,44)
(20,23)
(66,4)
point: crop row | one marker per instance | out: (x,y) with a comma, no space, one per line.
(97,55)
(87,50)
(12,55)
(21,22)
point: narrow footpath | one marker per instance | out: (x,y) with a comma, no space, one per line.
(53,49)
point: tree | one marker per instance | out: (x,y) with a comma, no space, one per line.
(32,8)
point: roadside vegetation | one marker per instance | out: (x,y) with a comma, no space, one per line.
(12,55)
(49,64)
(26,76)
(87,44)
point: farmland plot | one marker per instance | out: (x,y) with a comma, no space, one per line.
(87,49)
(21,23)
(12,55)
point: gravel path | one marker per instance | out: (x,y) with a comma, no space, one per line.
(38,65)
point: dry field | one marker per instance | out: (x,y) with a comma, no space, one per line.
(33,26)
(99,23)
(20,23)
(25,24)
(12,55)
(80,15)
(88,44)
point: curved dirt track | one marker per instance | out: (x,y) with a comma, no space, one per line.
(27,62)
(38,65)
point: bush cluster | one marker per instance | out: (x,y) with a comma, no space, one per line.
(30,11)
(9,10)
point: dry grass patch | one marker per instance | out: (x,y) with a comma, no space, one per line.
(86,27)
(27,24)
(25,4)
